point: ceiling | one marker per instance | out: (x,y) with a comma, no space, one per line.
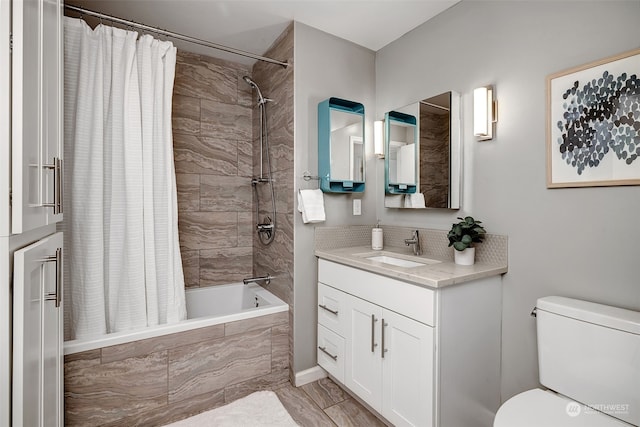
(253,25)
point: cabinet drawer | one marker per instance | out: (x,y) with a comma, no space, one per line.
(331,352)
(413,301)
(332,312)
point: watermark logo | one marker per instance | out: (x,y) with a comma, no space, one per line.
(573,409)
(609,408)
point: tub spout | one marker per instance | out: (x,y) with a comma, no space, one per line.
(266,279)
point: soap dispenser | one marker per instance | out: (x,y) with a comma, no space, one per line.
(376,237)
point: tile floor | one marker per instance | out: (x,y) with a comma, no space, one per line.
(323,403)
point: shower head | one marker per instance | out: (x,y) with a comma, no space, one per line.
(254,85)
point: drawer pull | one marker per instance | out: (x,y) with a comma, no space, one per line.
(324,307)
(324,350)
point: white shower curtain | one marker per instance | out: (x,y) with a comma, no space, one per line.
(123,269)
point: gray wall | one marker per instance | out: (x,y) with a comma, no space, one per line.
(571,242)
(325,66)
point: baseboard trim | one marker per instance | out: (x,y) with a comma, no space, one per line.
(309,375)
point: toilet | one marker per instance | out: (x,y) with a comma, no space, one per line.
(589,360)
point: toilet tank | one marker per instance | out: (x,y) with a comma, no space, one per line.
(591,353)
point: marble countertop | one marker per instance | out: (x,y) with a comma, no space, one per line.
(440,274)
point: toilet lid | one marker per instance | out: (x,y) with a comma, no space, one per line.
(535,408)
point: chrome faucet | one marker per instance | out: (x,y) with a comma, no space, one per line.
(415,241)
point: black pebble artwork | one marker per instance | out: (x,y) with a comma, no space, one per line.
(599,116)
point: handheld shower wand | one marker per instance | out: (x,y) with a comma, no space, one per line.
(261,99)
(267,228)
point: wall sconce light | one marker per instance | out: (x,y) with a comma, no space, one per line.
(378,138)
(485,113)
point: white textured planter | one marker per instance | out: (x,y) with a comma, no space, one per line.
(466,257)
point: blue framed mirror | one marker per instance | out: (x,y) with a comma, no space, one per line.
(341,154)
(400,163)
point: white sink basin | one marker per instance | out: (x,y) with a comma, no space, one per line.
(396,261)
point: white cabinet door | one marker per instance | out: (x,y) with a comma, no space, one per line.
(363,370)
(36,119)
(37,334)
(408,378)
(5,122)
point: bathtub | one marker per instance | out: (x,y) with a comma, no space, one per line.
(205,307)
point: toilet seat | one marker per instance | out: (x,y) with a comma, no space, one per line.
(535,408)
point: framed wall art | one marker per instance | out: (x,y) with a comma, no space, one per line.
(593,124)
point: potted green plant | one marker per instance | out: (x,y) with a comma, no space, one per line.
(462,236)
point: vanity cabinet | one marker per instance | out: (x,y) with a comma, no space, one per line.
(412,353)
(389,362)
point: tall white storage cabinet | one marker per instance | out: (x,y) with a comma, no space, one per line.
(31,117)
(37,333)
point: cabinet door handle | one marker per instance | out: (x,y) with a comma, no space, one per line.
(373,325)
(56,166)
(324,350)
(57,295)
(328,309)
(384,350)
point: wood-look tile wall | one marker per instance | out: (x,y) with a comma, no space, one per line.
(277,258)
(164,379)
(276,83)
(434,157)
(212,137)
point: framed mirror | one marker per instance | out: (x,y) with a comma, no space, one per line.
(439,154)
(341,155)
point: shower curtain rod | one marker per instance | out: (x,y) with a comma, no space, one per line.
(171,34)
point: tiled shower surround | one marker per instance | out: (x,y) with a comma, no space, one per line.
(212,137)
(216,149)
(276,83)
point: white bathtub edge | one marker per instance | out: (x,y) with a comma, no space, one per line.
(78,346)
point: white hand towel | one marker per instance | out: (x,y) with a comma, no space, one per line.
(393,201)
(311,205)
(415,201)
